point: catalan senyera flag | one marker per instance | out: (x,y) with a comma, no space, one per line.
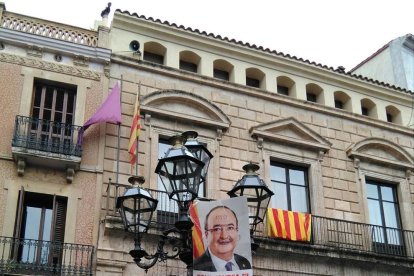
(134,133)
(289,225)
(198,245)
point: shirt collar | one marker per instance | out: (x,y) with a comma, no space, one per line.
(220,264)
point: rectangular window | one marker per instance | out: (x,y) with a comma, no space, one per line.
(310,97)
(283,90)
(54,107)
(40,224)
(385,218)
(188,66)
(290,185)
(155,58)
(252,82)
(221,74)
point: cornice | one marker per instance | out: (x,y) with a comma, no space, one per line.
(49,66)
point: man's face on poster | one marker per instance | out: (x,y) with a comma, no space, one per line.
(222,233)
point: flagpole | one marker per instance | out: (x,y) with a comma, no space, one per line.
(119,145)
(136,147)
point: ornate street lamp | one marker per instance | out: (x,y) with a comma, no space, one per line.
(136,207)
(198,150)
(180,172)
(257,193)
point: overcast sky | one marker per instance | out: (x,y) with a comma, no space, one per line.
(330,32)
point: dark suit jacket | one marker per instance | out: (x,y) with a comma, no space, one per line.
(204,262)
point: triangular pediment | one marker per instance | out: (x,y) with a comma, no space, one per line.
(292,132)
(184,106)
(381,151)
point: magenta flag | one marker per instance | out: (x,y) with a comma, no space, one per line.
(109,111)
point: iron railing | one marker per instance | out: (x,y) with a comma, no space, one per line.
(47,136)
(347,235)
(327,232)
(36,257)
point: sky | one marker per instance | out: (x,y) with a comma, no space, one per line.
(331,32)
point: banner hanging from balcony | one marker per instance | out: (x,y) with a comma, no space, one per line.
(109,111)
(221,237)
(289,225)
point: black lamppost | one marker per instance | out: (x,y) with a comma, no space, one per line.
(258,196)
(182,170)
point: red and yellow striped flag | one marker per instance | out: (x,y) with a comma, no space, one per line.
(289,225)
(134,133)
(198,245)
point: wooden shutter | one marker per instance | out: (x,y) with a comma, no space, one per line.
(19,214)
(58,228)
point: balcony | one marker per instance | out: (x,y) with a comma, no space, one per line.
(45,28)
(328,234)
(46,143)
(35,257)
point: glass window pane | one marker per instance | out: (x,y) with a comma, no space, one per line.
(372,191)
(297,177)
(387,193)
(277,173)
(374,212)
(279,200)
(390,215)
(298,199)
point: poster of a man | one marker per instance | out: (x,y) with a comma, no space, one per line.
(226,237)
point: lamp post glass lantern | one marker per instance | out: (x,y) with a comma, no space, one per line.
(180,172)
(257,193)
(136,207)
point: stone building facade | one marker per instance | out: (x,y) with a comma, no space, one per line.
(328,142)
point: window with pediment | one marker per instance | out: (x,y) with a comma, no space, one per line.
(292,152)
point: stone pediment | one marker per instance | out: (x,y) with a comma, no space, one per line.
(291,131)
(184,106)
(381,151)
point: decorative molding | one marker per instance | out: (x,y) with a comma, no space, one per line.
(70,173)
(260,142)
(49,66)
(185,106)
(34,51)
(219,134)
(381,151)
(80,60)
(107,69)
(291,131)
(21,165)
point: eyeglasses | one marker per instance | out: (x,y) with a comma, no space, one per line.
(230,229)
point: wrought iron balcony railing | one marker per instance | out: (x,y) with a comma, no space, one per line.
(327,232)
(36,257)
(47,136)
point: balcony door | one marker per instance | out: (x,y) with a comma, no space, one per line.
(385,218)
(53,110)
(40,228)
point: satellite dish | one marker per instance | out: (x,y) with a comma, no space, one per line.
(134,46)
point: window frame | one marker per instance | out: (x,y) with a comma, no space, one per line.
(287,167)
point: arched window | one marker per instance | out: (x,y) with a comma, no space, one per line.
(154,52)
(223,70)
(368,108)
(342,101)
(189,61)
(285,86)
(314,93)
(393,114)
(254,77)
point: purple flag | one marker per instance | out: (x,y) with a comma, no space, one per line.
(109,111)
